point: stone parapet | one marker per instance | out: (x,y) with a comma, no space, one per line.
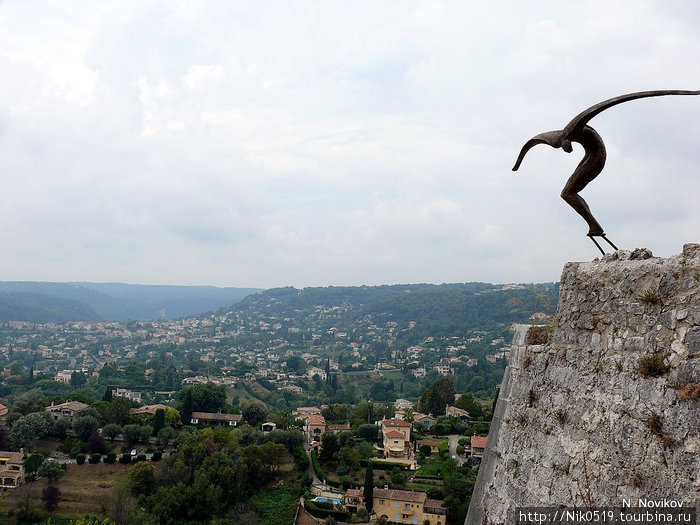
(609,408)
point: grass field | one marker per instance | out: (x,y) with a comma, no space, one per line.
(243,395)
(392,374)
(85,489)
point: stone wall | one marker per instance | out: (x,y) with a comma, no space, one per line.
(609,408)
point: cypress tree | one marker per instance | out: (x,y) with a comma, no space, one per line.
(368,493)
(158,421)
(187,407)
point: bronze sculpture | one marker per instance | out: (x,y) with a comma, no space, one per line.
(594,154)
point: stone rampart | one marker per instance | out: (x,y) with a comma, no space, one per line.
(609,407)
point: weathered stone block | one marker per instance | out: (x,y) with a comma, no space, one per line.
(692,341)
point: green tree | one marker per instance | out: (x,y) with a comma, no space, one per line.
(158,421)
(364,449)
(205,398)
(140,478)
(368,493)
(107,395)
(254,412)
(29,429)
(33,462)
(296,364)
(51,470)
(368,432)
(166,435)
(60,428)
(131,433)
(468,403)
(84,426)
(187,406)
(437,396)
(397,479)
(145,433)
(111,430)
(329,446)
(77,379)
(349,456)
(50,497)
(119,411)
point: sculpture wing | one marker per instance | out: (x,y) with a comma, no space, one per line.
(551,138)
(582,118)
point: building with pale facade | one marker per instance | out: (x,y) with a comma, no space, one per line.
(399,506)
(396,438)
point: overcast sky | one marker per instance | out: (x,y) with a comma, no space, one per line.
(336,143)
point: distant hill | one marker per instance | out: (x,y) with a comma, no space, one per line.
(60,302)
(443,310)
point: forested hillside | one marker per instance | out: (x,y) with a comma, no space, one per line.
(443,310)
(43,302)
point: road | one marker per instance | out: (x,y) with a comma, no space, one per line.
(453,442)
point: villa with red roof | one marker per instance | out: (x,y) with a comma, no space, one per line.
(314,427)
(396,438)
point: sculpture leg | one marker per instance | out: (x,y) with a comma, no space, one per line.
(596,243)
(588,169)
(592,237)
(577,203)
(609,242)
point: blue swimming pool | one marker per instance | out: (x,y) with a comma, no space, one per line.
(328,500)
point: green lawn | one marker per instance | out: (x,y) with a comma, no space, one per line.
(431,469)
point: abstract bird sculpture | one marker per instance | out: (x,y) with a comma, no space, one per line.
(594,158)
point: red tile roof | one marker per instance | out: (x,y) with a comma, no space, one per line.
(394,434)
(400,495)
(342,426)
(316,420)
(395,423)
(210,416)
(479,442)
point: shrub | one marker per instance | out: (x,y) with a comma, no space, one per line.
(140,457)
(653,365)
(95,458)
(125,459)
(80,459)
(690,392)
(50,497)
(157,456)
(649,297)
(436,493)
(320,473)
(561,416)
(111,457)
(33,462)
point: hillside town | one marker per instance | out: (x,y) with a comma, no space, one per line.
(364,414)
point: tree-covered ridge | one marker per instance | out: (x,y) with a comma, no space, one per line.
(444,309)
(38,307)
